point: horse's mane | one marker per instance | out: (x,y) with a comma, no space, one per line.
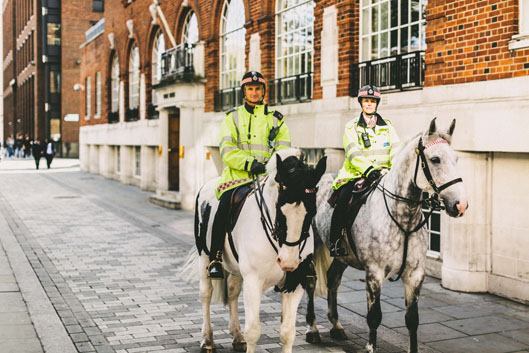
(271,166)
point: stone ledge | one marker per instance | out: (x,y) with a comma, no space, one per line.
(166,202)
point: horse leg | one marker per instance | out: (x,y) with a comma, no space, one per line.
(234,289)
(290,303)
(334,279)
(312,335)
(253,291)
(206,291)
(412,287)
(374,312)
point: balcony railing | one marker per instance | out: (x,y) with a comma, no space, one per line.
(291,89)
(132,114)
(113,117)
(152,113)
(177,61)
(227,98)
(399,72)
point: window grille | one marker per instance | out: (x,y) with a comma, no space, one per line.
(232,43)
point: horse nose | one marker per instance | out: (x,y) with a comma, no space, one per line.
(285,267)
(460,207)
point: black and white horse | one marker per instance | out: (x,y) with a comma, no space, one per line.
(268,248)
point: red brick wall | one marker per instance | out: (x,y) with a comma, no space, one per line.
(92,63)
(8,68)
(468,41)
(75,17)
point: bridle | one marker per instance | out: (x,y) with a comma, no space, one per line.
(276,232)
(433,202)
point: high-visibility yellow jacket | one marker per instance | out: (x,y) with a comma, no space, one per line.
(358,158)
(244,137)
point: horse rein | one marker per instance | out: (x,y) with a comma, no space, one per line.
(432,202)
(272,230)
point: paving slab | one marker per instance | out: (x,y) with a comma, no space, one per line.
(489,343)
(486,324)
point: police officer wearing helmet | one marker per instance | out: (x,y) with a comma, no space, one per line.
(249,135)
(370,144)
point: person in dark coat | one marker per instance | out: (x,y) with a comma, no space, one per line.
(49,152)
(37,152)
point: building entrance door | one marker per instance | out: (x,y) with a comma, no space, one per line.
(174,149)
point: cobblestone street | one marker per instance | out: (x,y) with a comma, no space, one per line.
(97,267)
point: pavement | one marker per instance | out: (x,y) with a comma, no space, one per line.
(90,265)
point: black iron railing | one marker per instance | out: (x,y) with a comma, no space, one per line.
(113,117)
(228,98)
(177,61)
(132,114)
(399,72)
(152,113)
(296,88)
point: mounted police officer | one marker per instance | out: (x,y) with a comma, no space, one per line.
(249,135)
(370,143)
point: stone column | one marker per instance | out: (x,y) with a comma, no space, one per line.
(126,159)
(163,160)
(84,157)
(255,53)
(94,159)
(198,59)
(465,242)
(147,168)
(106,161)
(329,46)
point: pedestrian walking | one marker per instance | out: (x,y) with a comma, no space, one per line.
(27,146)
(37,150)
(49,152)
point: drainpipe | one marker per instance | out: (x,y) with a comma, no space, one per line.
(164,22)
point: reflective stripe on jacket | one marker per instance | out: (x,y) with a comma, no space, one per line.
(243,139)
(358,158)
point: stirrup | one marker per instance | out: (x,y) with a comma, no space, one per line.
(215,270)
(337,248)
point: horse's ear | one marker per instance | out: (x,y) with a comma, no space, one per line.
(452,127)
(433,127)
(320,169)
(279,168)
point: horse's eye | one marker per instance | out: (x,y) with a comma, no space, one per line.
(435,160)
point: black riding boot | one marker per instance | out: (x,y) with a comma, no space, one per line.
(338,221)
(218,235)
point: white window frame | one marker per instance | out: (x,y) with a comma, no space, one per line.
(114,85)
(88,97)
(98,95)
(232,33)
(367,33)
(134,77)
(521,39)
(158,47)
(190,33)
(292,59)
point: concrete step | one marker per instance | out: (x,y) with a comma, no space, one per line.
(167,199)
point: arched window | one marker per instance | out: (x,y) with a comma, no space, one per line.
(232,43)
(294,37)
(158,47)
(190,32)
(114,85)
(134,77)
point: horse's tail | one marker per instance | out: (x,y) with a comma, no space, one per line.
(323,261)
(189,271)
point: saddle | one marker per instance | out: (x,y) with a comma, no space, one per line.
(237,200)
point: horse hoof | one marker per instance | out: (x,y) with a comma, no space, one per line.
(313,337)
(239,346)
(208,349)
(338,334)
(370,348)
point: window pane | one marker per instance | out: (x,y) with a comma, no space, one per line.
(232,43)
(404,40)
(54,34)
(374,47)
(435,242)
(415,8)
(394,13)
(394,42)
(384,16)
(403,12)
(55,82)
(384,51)
(374,19)
(414,39)
(365,19)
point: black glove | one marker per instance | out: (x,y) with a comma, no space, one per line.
(257,168)
(373,176)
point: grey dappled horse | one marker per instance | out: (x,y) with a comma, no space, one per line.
(378,231)
(261,258)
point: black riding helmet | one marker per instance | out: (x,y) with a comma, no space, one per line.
(253,77)
(369,91)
